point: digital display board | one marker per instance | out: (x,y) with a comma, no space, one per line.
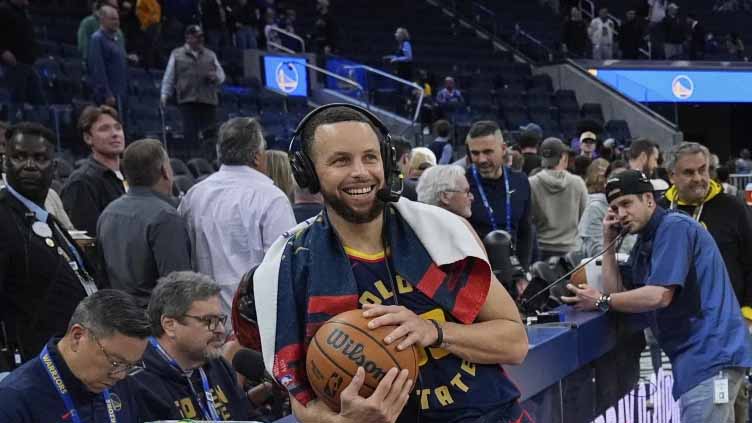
(679,86)
(286,74)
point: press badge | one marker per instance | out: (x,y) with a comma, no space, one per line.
(720,389)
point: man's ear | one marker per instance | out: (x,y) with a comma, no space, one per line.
(87,138)
(444,197)
(168,326)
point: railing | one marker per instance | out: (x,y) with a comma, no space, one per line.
(740,181)
(288,34)
(398,80)
(479,9)
(520,33)
(330,74)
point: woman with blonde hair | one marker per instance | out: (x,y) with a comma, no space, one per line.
(278,169)
(590,229)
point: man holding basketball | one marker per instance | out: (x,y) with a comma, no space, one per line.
(434,284)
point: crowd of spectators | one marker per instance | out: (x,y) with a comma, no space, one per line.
(657,27)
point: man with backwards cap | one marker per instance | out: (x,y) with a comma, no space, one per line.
(678,278)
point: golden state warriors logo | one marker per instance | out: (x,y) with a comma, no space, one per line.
(682,87)
(287,77)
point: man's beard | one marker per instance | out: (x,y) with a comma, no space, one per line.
(350,215)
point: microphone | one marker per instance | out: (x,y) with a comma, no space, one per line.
(622,231)
(498,245)
(250,364)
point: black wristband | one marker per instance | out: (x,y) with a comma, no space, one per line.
(439,334)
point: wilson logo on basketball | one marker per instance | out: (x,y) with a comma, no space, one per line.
(342,343)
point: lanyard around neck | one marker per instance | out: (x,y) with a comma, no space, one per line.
(208,410)
(487,204)
(697,212)
(57,382)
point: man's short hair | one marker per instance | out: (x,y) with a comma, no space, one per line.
(436,180)
(528,139)
(442,128)
(639,146)
(108,312)
(239,140)
(142,162)
(684,149)
(329,116)
(175,294)
(484,128)
(31,128)
(91,114)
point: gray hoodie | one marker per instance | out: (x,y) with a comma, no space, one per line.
(558,201)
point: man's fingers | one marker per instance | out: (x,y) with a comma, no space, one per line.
(396,334)
(390,319)
(411,339)
(375,310)
(569,300)
(351,391)
(385,385)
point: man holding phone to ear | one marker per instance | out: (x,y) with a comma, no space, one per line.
(678,278)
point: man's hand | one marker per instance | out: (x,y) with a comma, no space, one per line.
(411,327)
(213,78)
(111,101)
(9,58)
(133,58)
(383,406)
(163,102)
(584,298)
(611,226)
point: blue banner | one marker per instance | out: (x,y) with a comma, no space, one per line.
(680,86)
(286,74)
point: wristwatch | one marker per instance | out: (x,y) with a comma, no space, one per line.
(603,303)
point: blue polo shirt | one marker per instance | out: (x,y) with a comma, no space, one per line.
(702,331)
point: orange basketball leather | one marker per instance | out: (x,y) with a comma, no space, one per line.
(345,343)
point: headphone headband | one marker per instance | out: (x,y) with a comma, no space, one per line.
(303,169)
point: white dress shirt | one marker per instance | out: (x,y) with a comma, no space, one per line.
(233,218)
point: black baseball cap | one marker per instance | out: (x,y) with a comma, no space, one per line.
(194,30)
(627,183)
(553,147)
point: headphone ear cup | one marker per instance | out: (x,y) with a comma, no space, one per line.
(304,173)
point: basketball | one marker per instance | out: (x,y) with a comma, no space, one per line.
(345,343)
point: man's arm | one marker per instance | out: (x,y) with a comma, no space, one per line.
(170,245)
(524,247)
(97,70)
(612,281)
(446,154)
(219,71)
(745,258)
(497,337)
(82,206)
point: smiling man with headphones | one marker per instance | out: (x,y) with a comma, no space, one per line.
(434,282)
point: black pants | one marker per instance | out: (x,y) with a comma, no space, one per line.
(196,117)
(25,86)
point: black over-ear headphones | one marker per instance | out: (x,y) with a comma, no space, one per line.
(305,174)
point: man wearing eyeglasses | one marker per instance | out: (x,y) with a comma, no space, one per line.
(79,378)
(186,376)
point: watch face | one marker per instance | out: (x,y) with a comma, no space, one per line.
(603,306)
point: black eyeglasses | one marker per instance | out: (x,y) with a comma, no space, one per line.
(118,366)
(211,321)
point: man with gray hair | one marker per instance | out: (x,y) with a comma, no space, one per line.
(727,219)
(558,201)
(235,214)
(82,373)
(141,236)
(186,376)
(445,186)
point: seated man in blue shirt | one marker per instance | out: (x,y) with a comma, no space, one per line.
(679,279)
(79,378)
(449,94)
